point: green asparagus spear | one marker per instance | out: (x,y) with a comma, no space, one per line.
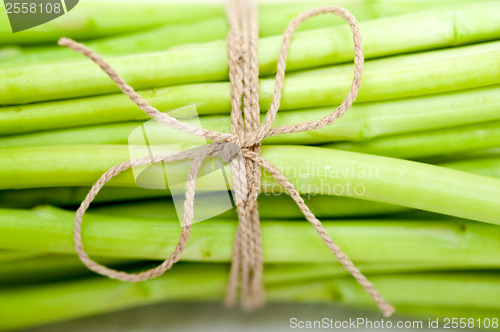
(449,242)
(208,62)
(412,293)
(430,143)
(312,170)
(479,67)
(273,19)
(361,122)
(94,18)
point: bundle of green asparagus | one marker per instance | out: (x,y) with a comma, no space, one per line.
(407,182)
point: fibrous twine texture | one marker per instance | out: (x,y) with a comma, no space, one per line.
(241,147)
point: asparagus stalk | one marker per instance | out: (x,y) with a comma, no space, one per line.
(479,67)
(12,256)
(429,143)
(305,275)
(91,19)
(73,196)
(209,62)
(488,153)
(158,39)
(489,166)
(405,59)
(361,122)
(440,287)
(30,306)
(371,120)
(270,207)
(437,241)
(52,268)
(273,19)
(330,172)
(95,18)
(160,208)
(282,207)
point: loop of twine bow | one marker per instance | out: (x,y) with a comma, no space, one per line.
(245,139)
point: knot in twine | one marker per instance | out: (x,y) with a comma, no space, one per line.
(241,147)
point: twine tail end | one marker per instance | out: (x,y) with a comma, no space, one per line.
(253,304)
(63,41)
(230,299)
(387,310)
(230,303)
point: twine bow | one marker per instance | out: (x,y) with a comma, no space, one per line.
(244,140)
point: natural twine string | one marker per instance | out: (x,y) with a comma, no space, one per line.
(241,148)
(247,260)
